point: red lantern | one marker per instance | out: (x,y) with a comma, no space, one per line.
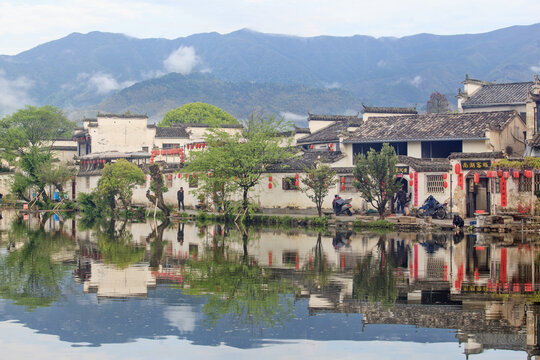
(269,185)
(411,182)
(445,184)
(169,176)
(528,174)
(499,173)
(342,187)
(457,168)
(506,174)
(331,145)
(296,176)
(270,178)
(476,178)
(445,176)
(203,145)
(516,174)
(209,174)
(296,183)
(343,180)
(179,176)
(311,146)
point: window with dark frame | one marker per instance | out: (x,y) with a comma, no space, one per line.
(288,183)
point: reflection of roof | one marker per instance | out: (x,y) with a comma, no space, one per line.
(330,133)
(497,94)
(425,165)
(389,110)
(431,127)
(307,160)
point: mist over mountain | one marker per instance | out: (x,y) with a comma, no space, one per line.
(83,70)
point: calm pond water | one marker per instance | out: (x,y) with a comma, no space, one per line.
(145,290)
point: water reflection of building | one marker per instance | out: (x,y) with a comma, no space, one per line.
(476,284)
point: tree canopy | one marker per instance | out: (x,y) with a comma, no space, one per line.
(437,104)
(241,159)
(198,113)
(27,137)
(117,181)
(376,177)
(318,181)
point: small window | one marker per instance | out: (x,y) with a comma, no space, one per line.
(145,148)
(168,181)
(496,185)
(288,183)
(193,181)
(87,180)
(349,184)
(525,184)
(434,184)
(171,146)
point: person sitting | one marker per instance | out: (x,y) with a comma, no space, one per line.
(458,222)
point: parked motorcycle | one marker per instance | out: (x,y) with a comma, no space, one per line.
(343,206)
(433,208)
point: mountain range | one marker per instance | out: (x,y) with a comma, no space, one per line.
(243,70)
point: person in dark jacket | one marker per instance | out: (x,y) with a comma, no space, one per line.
(401,198)
(180,197)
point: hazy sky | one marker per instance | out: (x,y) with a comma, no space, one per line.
(25,24)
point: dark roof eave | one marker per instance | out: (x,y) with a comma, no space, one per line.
(364,141)
(472,106)
(301,142)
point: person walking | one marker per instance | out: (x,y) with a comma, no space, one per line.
(401,198)
(180,197)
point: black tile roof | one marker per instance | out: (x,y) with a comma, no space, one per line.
(306,160)
(535,141)
(172,132)
(499,94)
(123,116)
(426,165)
(431,127)
(481,155)
(330,133)
(314,117)
(389,110)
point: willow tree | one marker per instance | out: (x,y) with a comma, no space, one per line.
(376,177)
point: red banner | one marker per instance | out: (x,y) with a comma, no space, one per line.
(503,192)
(416,189)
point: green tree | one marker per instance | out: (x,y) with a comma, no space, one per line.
(239,288)
(241,159)
(27,137)
(376,177)
(56,175)
(317,181)
(198,113)
(157,186)
(28,275)
(117,182)
(437,104)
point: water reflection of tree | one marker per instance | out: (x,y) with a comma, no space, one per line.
(317,272)
(29,276)
(374,279)
(238,287)
(157,245)
(116,246)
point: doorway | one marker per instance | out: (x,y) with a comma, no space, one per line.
(477,196)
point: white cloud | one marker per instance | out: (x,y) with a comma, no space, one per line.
(289,116)
(151,74)
(416,81)
(535,68)
(181,317)
(182,60)
(334,85)
(105,83)
(13,93)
